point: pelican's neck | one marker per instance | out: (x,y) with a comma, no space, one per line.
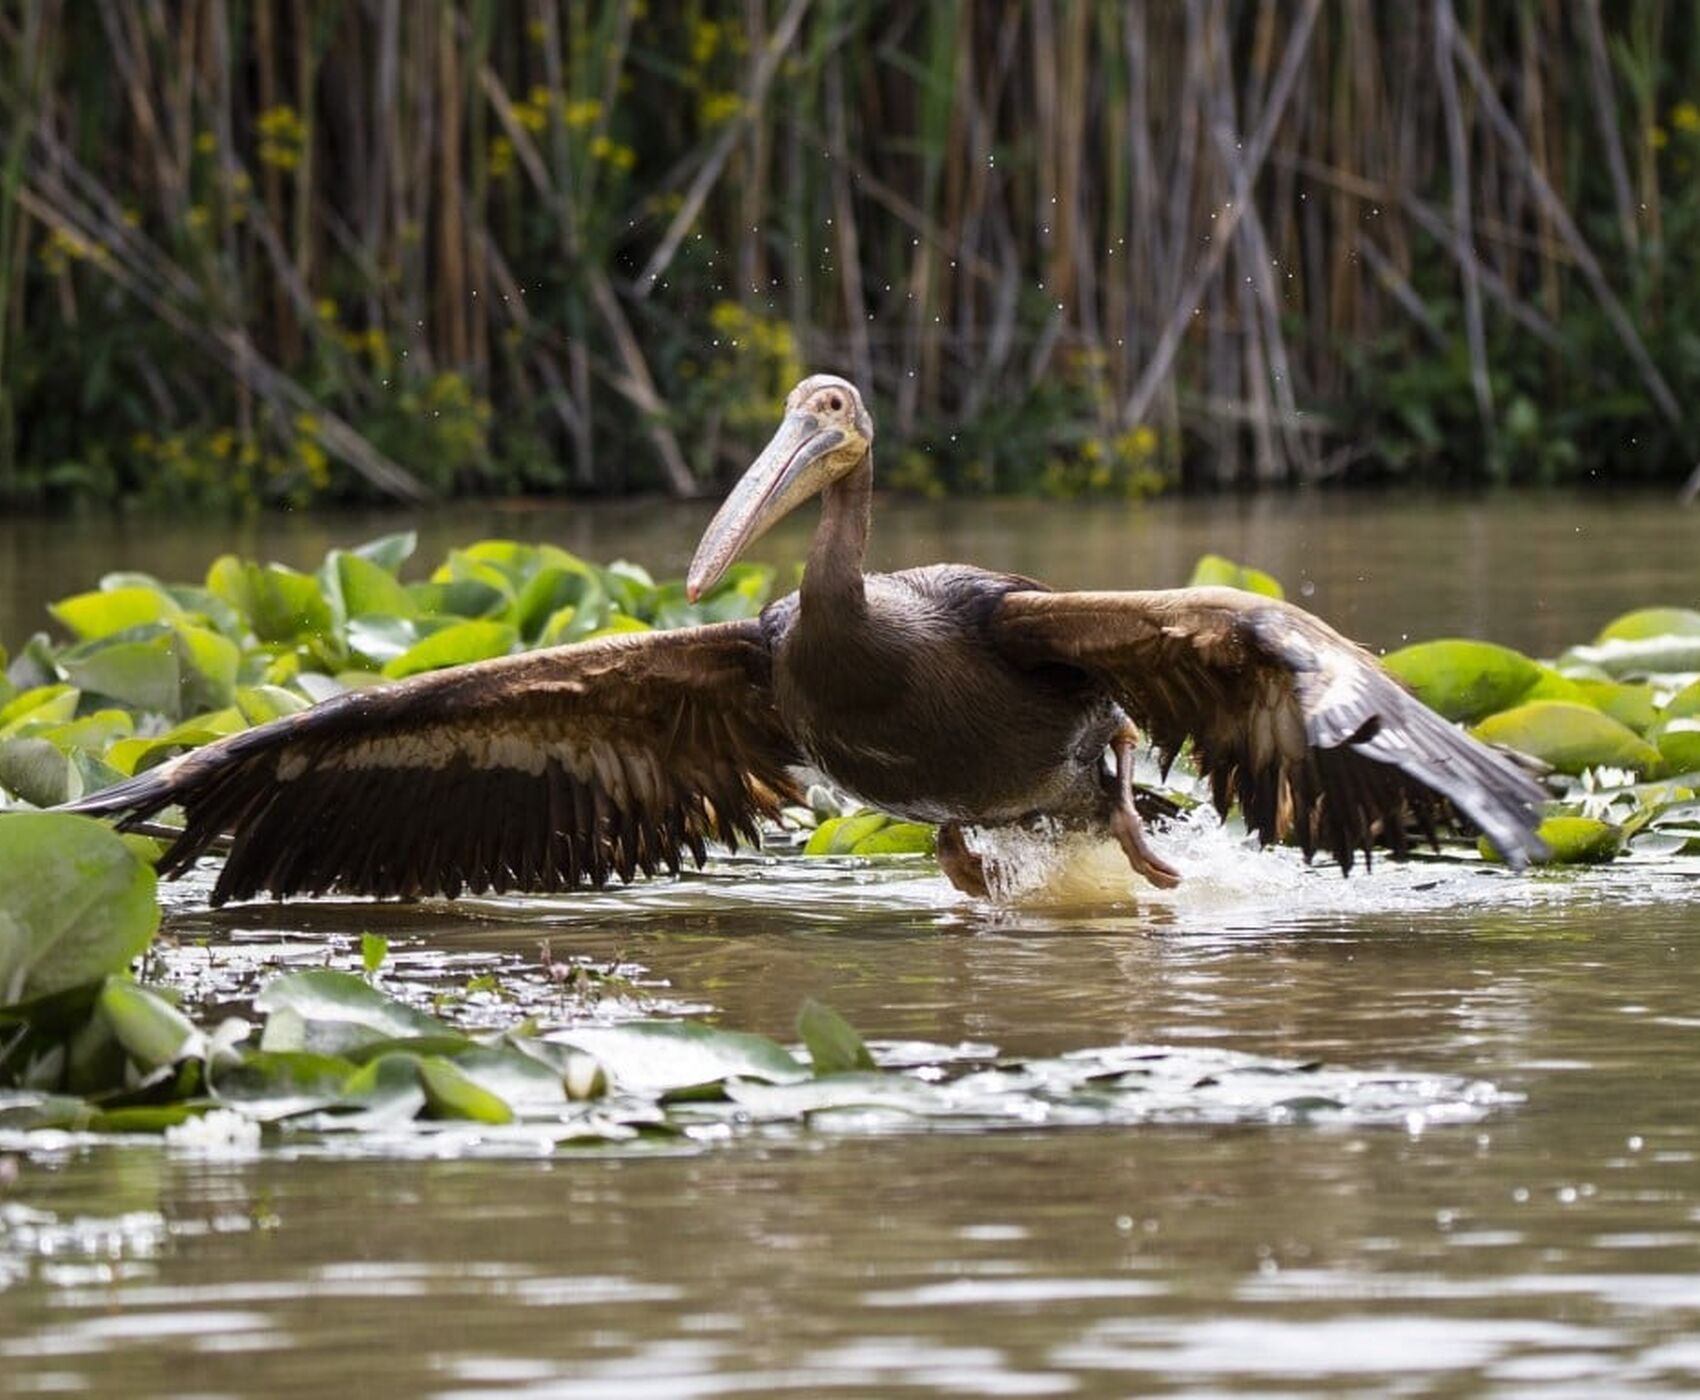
(832,581)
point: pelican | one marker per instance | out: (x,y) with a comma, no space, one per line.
(947,694)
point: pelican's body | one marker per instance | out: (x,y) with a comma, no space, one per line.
(946,694)
(901,698)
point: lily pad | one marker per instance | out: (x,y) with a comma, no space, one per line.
(1645,623)
(834,1046)
(1679,743)
(331,1013)
(101,613)
(1569,737)
(75,904)
(454,646)
(1213,570)
(1464,679)
(658,1057)
(1571,841)
(1630,703)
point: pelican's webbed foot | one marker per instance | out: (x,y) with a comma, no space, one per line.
(1125,823)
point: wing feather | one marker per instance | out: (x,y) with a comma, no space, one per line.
(1303,728)
(546,771)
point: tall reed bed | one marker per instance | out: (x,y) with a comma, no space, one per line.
(258,248)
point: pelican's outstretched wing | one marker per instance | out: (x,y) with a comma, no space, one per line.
(538,771)
(1302,726)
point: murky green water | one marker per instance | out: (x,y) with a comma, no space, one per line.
(1550,1247)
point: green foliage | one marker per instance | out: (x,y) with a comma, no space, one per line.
(1463,679)
(152,668)
(1213,571)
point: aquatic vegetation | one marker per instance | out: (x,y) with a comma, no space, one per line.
(85,1048)
(143,669)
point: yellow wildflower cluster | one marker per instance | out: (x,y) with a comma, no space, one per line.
(1685,117)
(718,108)
(1125,465)
(225,467)
(500,159)
(610,152)
(60,249)
(756,363)
(283,137)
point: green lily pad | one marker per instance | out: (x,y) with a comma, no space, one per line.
(658,1057)
(1685,703)
(1569,737)
(839,836)
(331,1013)
(51,704)
(75,904)
(452,1093)
(36,770)
(1670,654)
(1465,679)
(1646,623)
(834,1046)
(1571,841)
(1212,570)
(153,1032)
(1679,743)
(454,646)
(270,1085)
(100,614)
(1630,703)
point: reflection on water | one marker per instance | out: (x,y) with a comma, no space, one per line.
(1550,1248)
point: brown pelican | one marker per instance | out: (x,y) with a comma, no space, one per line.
(946,694)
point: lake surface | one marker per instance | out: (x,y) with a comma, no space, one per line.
(1545,1243)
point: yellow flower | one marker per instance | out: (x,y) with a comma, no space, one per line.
(718,107)
(198,217)
(1685,116)
(205,143)
(582,113)
(132,216)
(613,153)
(537,31)
(532,118)
(325,308)
(704,42)
(1144,440)
(501,159)
(1657,137)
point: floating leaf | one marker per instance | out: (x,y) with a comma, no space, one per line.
(834,1046)
(100,614)
(75,904)
(374,949)
(280,604)
(1647,623)
(1679,743)
(36,770)
(1569,737)
(332,1013)
(1671,654)
(665,1056)
(1630,703)
(1685,703)
(51,704)
(1214,571)
(270,1085)
(1464,679)
(454,646)
(451,1093)
(1570,841)
(389,552)
(839,836)
(153,1032)
(898,839)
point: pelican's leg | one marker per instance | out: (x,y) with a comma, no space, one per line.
(961,866)
(1125,823)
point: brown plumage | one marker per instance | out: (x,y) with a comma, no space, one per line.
(947,694)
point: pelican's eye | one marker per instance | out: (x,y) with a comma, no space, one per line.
(835,403)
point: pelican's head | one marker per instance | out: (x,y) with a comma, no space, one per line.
(825,434)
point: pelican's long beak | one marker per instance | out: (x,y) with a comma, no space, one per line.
(789,471)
